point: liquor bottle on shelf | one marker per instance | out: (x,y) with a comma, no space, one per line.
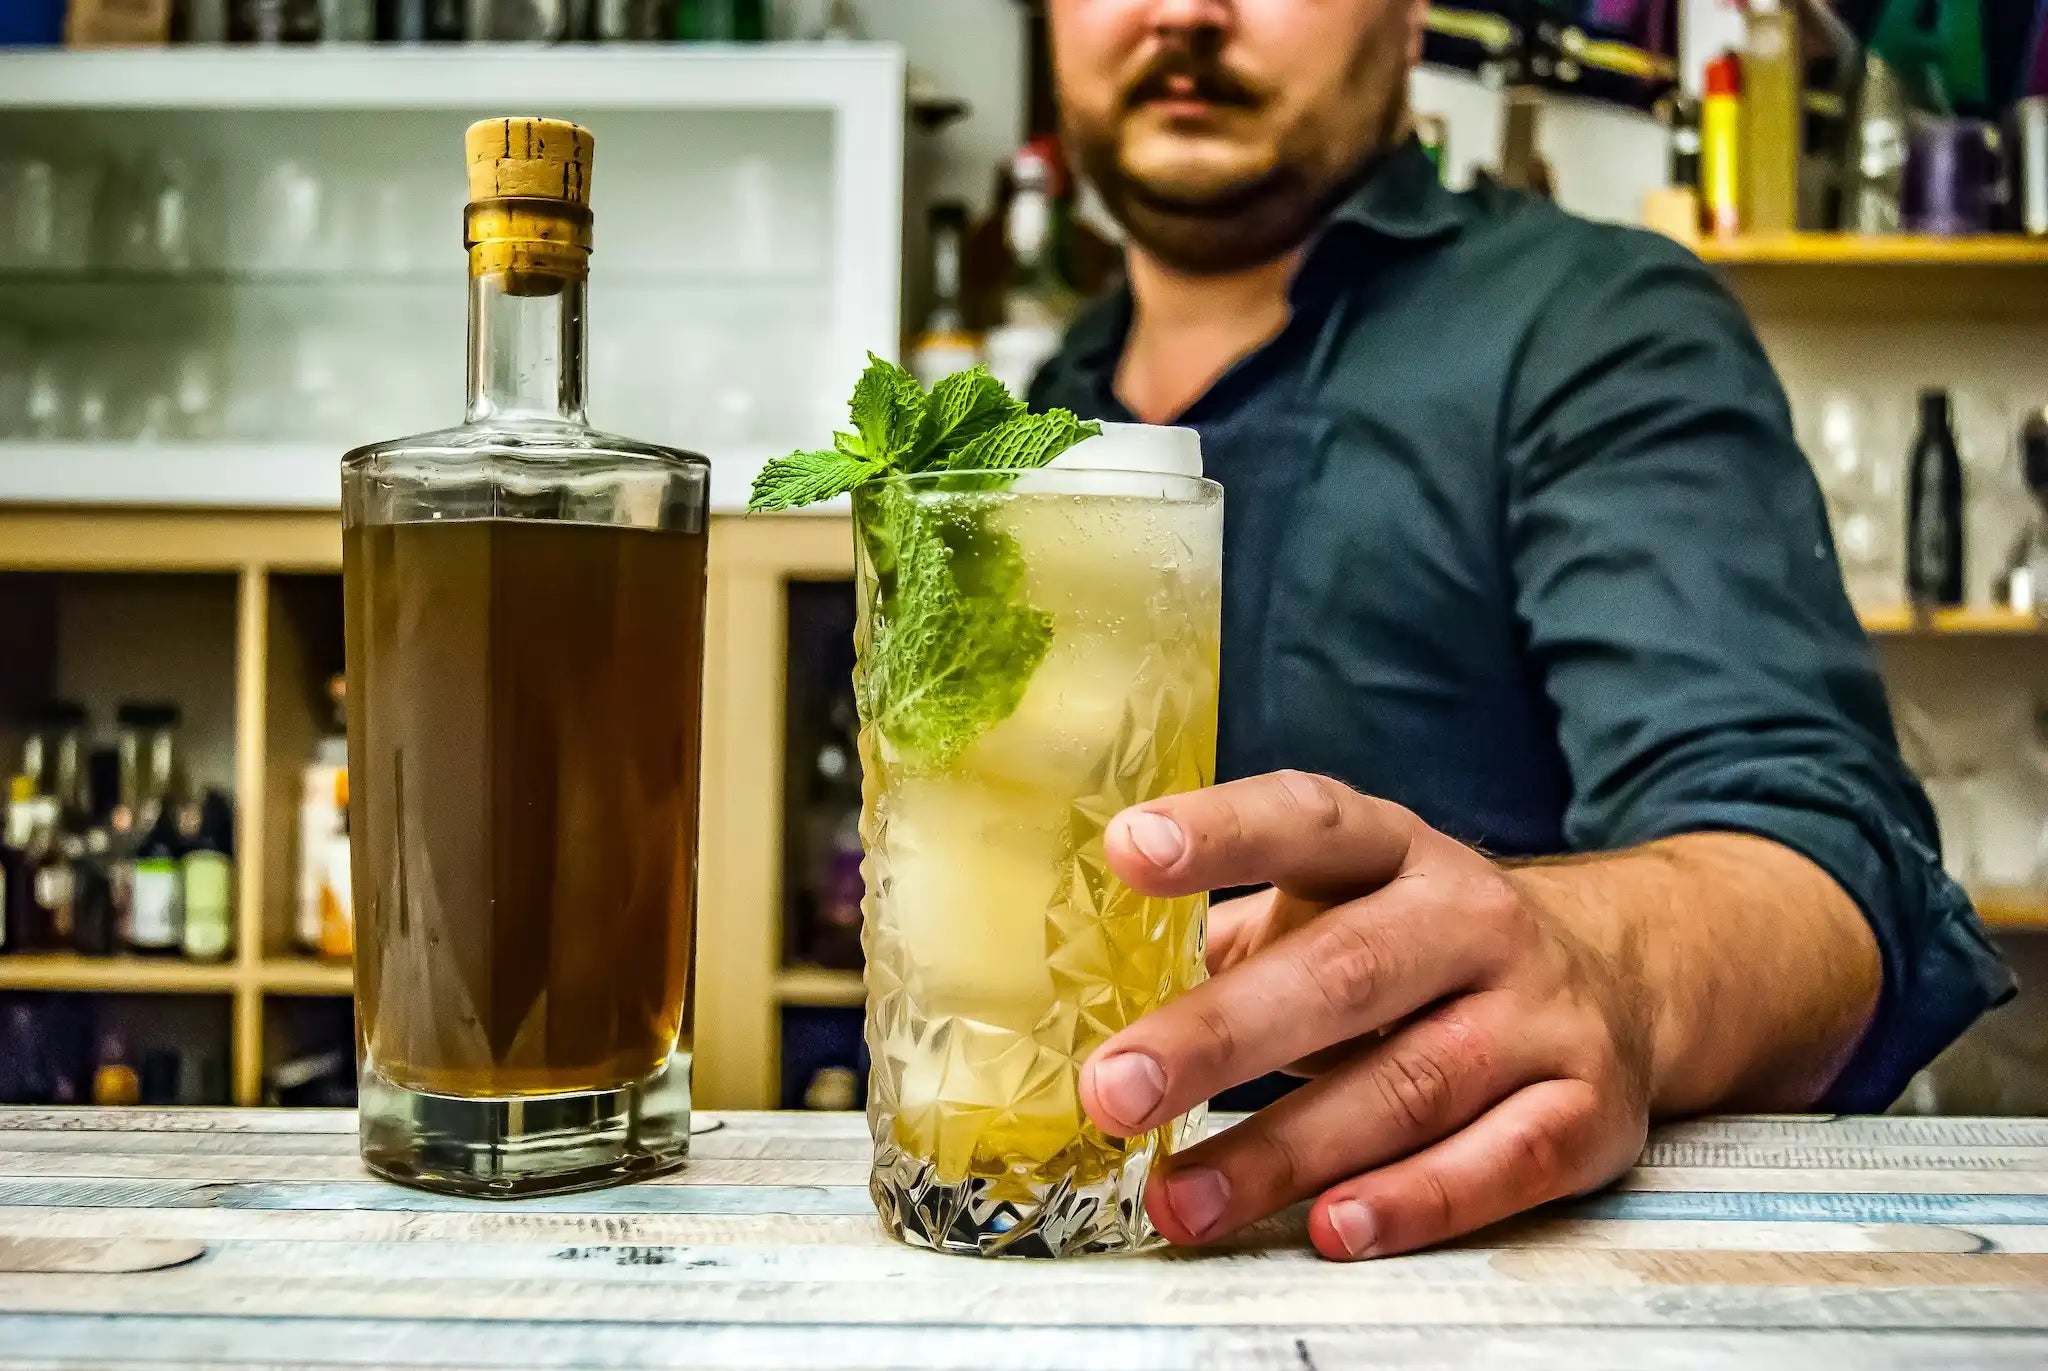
(152,764)
(206,869)
(833,835)
(519,21)
(337,887)
(156,917)
(322,818)
(268,22)
(95,930)
(1038,302)
(1772,88)
(721,21)
(944,345)
(17,876)
(1934,508)
(421,21)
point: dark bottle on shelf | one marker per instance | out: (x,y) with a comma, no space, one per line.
(156,916)
(420,21)
(721,21)
(1934,508)
(833,824)
(273,21)
(94,931)
(16,874)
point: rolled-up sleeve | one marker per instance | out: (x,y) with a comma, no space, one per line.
(1676,579)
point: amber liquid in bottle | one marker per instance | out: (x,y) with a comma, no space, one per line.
(526,795)
(525,617)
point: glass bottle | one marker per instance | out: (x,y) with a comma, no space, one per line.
(944,346)
(524,606)
(1039,303)
(1934,508)
(206,868)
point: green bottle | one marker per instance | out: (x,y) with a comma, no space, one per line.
(721,21)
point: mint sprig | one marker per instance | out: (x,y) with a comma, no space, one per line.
(968,422)
(952,640)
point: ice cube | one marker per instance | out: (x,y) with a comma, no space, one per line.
(973,869)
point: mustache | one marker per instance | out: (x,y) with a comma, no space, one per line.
(1203,74)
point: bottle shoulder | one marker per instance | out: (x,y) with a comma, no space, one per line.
(541,447)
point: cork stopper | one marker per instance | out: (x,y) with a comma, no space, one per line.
(527,158)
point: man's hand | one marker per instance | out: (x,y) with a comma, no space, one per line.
(1482,1039)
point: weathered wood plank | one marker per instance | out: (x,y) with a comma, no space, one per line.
(1754,1243)
(1373,1295)
(304,1170)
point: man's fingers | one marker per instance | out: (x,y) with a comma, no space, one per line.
(1309,835)
(1426,1081)
(1351,971)
(1542,1143)
(1235,926)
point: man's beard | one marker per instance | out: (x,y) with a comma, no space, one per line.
(1225,228)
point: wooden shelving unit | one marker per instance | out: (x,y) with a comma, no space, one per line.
(1868,250)
(2013,911)
(817,987)
(1857,278)
(1971,622)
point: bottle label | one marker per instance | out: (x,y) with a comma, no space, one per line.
(156,911)
(206,905)
(53,888)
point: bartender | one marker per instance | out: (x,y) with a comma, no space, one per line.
(1548,732)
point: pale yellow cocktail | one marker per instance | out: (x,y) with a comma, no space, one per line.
(1000,950)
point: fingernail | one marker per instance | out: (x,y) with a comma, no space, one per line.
(1197,1197)
(1352,1223)
(1156,836)
(1130,1085)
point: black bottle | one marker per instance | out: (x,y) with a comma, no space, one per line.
(94,930)
(1934,509)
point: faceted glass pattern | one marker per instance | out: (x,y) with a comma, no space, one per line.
(1001,952)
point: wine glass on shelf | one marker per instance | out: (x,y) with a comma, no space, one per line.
(1854,445)
(1950,773)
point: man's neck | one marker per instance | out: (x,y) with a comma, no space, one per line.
(1186,331)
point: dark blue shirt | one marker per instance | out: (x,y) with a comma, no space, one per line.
(1517,534)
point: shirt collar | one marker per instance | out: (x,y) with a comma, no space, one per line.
(1402,198)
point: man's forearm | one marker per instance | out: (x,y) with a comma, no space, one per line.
(1759,973)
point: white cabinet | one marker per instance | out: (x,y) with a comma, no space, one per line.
(219,268)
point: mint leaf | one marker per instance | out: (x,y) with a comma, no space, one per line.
(1021,444)
(888,412)
(962,408)
(804,478)
(953,644)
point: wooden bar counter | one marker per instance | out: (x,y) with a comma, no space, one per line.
(251,1237)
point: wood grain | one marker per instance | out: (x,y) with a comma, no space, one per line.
(204,1237)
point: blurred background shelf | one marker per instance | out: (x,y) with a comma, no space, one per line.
(818,987)
(125,975)
(305,976)
(2013,911)
(1986,622)
(754,76)
(1794,250)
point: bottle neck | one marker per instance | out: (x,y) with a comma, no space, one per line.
(526,347)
